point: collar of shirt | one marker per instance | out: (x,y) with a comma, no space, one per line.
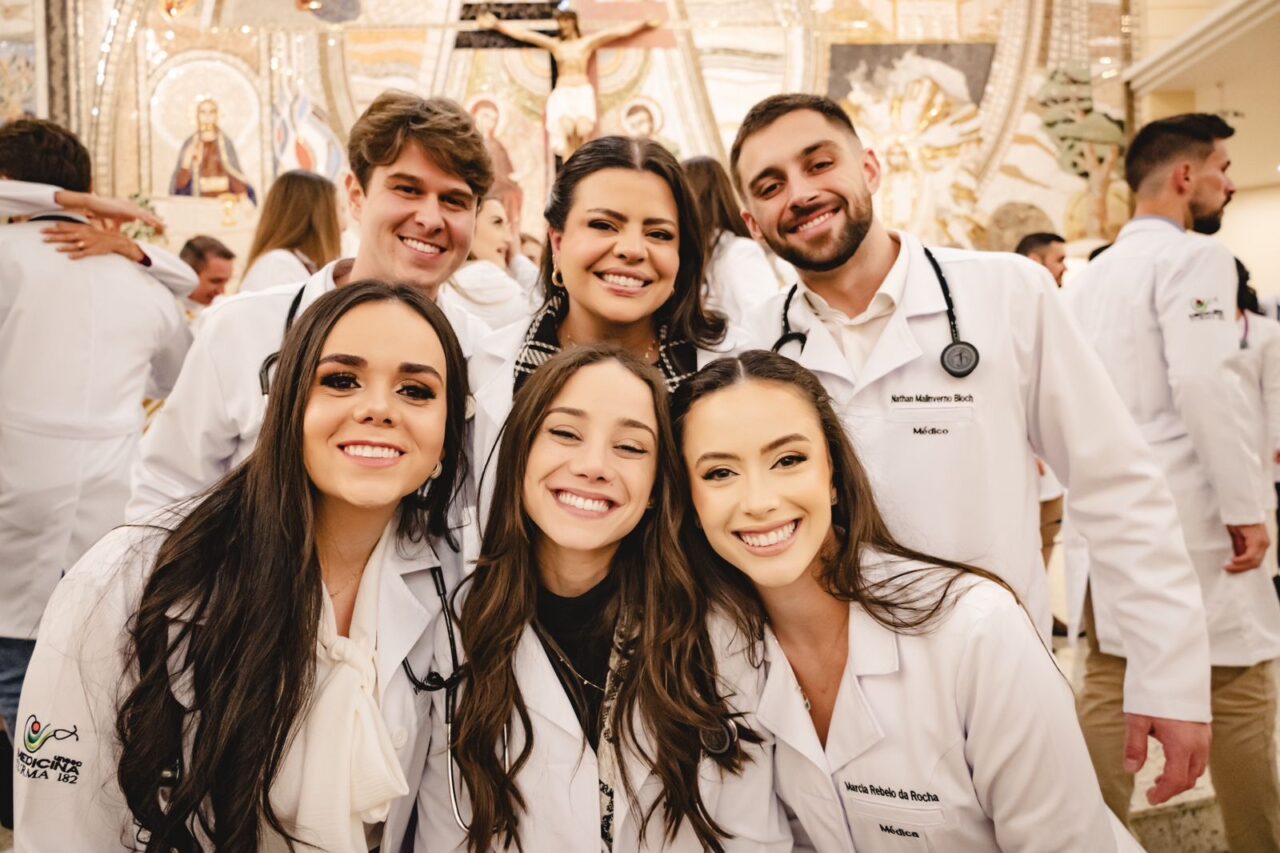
(887,297)
(1154,218)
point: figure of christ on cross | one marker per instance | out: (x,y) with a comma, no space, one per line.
(571,106)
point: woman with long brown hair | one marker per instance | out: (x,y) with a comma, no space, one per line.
(592,713)
(913,704)
(740,276)
(298,232)
(254,675)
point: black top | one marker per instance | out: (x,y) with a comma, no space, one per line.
(575,628)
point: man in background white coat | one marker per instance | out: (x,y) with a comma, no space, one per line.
(952,455)
(81,343)
(1159,308)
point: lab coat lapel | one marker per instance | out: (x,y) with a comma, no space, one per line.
(873,651)
(402,618)
(541,688)
(495,359)
(921,296)
(637,771)
(781,709)
(822,355)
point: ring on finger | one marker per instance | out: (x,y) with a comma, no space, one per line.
(80,245)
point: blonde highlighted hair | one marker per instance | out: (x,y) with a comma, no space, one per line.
(300,214)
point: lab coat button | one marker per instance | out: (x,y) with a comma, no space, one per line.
(400,738)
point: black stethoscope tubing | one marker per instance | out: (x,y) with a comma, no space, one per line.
(959,358)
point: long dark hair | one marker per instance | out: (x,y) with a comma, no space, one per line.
(234,605)
(670,673)
(907,602)
(717,202)
(684,313)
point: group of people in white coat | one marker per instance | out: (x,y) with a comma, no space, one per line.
(614,577)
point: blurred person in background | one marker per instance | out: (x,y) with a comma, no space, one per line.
(739,276)
(298,232)
(212,261)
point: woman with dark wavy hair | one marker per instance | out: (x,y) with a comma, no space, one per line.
(913,704)
(623,265)
(592,714)
(253,678)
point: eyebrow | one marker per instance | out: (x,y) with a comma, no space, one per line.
(653,220)
(773,445)
(411,367)
(409,178)
(626,422)
(776,171)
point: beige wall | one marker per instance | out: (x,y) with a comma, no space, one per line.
(1162,21)
(1249,230)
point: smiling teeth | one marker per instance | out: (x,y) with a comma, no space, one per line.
(421,246)
(623,280)
(369,451)
(814,223)
(773,537)
(579,502)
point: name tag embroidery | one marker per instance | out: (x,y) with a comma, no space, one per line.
(891,793)
(932,399)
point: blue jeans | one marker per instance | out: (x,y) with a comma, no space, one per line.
(14,657)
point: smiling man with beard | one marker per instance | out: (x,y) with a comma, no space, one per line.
(1159,307)
(952,370)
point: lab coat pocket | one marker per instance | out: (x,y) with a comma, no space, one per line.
(925,413)
(882,826)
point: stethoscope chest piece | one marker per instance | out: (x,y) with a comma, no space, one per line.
(959,358)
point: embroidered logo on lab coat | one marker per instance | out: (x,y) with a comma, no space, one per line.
(1206,309)
(58,768)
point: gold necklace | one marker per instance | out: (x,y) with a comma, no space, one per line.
(345,586)
(555,649)
(647,358)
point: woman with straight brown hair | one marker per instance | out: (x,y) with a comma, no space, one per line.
(297,234)
(251,672)
(592,712)
(912,703)
(740,276)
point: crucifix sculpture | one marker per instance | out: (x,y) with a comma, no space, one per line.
(570,114)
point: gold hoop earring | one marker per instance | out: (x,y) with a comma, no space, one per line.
(557,277)
(439,469)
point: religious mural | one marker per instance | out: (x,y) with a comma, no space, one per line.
(19,59)
(993,116)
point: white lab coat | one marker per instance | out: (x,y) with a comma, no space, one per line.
(274,268)
(560,781)
(963,739)
(952,459)
(81,344)
(1159,308)
(739,277)
(23,198)
(492,376)
(489,293)
(210,422)
(77,679)
(1257,364)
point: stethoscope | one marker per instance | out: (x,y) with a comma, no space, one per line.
(264,372)
(435,681)
(959,358)
(1244,339)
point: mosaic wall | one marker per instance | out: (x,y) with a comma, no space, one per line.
(21,56)
(995,117)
